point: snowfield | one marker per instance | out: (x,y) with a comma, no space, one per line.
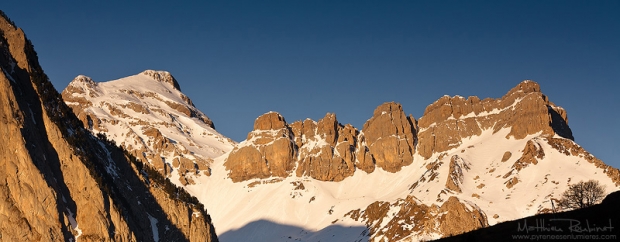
(276,211)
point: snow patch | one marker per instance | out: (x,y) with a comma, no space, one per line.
(8,76)
(154,222)
(110,168)
(73,222)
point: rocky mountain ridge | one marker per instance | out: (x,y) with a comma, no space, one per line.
(329,151)
(325,150)
(61,183)
(396,179)
(447,169)
(524,109)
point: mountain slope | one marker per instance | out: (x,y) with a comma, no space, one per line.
(149,116)
(60,182)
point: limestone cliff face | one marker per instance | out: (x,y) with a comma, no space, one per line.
(390,137)
(268,151)
(61,183)
(325,150)
(524,110)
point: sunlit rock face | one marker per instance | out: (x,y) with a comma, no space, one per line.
(524,110)
(328,151)
(325,150)
(61,183)
(268,151)
(390,137)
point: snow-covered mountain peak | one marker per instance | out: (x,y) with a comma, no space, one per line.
(84,79)
(149,115)
(82,83)
(162,76)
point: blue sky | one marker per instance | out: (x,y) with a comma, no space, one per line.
(239,59)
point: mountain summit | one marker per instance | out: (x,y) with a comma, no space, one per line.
(149,116)
(163,76)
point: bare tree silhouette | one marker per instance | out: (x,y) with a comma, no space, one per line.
(582,195)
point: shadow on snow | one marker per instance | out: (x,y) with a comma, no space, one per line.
(265,230)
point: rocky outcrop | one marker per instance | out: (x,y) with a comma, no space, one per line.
(325,150)
(456,169)
(506,156)
(459,217)
(531,154)
(411,218)
(268,151)
(61,183)
(390,137)
(524,110)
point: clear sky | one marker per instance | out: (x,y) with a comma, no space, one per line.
(239,59)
